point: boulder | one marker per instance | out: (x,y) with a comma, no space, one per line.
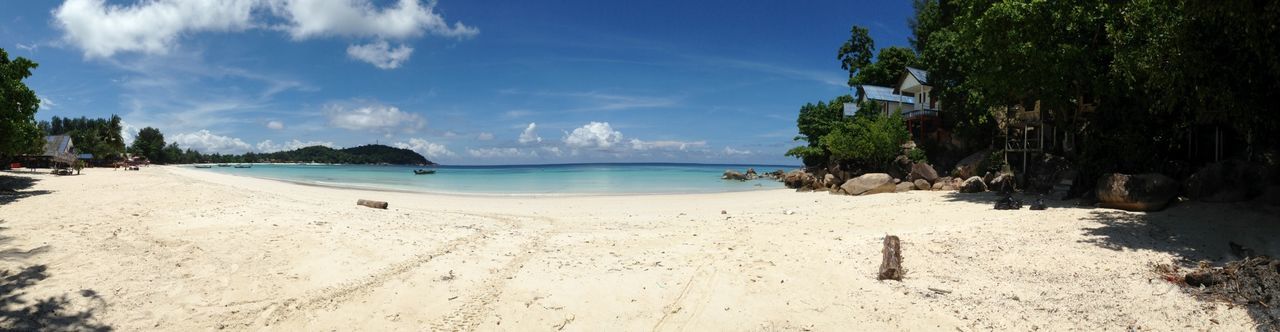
(751,173)
(923,171)
(973,185)
(870,183)
(795,179)
(939,186)
(733,175)
(1138,192)
(921,184)
(1047,172)
(1003,183)
(904,187)
(829,180)
(971,165)
(1228,181)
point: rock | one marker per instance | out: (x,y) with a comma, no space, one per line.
(733,175)
(1228,181)
(1139,192)
(795,179)
(921,184)
(870,183)
(1003,183)
(938,186)
(1046,173)
(971,165)
(829,180)
(923,171)
(751,174)
(973,185)
(904,187)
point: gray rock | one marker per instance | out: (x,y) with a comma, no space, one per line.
(829,180)
(1139,192)
(973,185)
(733,175)
(871,183)
(1228,181)
(921,184)
(923,171)
(971,165)
(904,187)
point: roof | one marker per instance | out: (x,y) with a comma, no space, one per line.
(58,147)
(881,93)
(920,75)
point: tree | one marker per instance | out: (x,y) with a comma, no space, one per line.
(99,137)
(869,140)
(172,154)
(813,122)
(18,105)
(889,66)
(856,53)
(149,144)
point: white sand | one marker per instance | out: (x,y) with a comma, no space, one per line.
(181,249)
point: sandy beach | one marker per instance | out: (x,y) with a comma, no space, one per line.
(168,248)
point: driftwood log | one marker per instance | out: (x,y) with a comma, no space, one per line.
(372,204)
(891,267)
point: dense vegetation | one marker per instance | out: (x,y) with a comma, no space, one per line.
(18,105)
(151,145)
(99,137)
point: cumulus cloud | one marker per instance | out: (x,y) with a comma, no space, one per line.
(597,135)
(377,118)
(101,30)
(380,54)
(501,153)
(485,136)
(269,146)
(530,134)
(424,147)
(154,27)
(359,18)
(205,141)
(637,144)
(728,151)
(277,125)
(128,132)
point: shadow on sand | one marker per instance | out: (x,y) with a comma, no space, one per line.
(14,188)
(20,313)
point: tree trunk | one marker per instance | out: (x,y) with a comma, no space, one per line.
(372,204)
(891,267)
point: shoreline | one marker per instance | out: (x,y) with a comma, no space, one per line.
(174,249)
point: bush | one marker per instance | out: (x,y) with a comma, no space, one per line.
(871,140)
(917,156)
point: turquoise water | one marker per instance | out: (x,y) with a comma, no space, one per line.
(567,179)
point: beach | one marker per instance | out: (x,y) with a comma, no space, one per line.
(171,248)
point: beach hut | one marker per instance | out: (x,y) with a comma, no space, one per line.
(885,100)
(924,119)
(58,151)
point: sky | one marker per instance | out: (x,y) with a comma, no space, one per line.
(463,82)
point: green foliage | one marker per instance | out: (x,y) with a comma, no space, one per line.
(79,165)
(367,154)
(917,156)
(889,66)
(856,53)
(100,137)
(873,140)
(18,105)
(813,122)
(149,144)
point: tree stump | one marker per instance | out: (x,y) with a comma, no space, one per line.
(891,267)
(372,204)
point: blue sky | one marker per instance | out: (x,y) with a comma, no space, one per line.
(462,82)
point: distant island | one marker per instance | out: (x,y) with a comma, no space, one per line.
(364,154)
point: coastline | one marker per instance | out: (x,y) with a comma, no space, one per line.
(174,249)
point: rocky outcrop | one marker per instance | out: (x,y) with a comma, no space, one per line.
(871,183)
(923,171)
(1004,182)
(904,187)
(751,174)
(921,184)
(971,165)
(1139,192)
(973,185)
(829,180)
(1228,181)
(733,175)
(1046,172)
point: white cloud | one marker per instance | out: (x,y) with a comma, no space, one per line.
(277,125)
(47,104)
(597,135)
(553,150)
(380,54)
(205,141)
(530,134)
(424,147)
(101,30)
(484,136)
(359,18)
(269,146)
(378,118)
(128,132)
(637,144)
(728,151)
(500,153)
(30,48)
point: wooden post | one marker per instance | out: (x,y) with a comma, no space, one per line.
(891,267)
(372,204)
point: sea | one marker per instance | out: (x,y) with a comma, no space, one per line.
(558,179)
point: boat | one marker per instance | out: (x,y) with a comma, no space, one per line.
(224,165)
(204,166)
(424,171)
(243,166)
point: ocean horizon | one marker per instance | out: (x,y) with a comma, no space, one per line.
(521,179)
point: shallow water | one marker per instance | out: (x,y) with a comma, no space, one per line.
(566,179)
